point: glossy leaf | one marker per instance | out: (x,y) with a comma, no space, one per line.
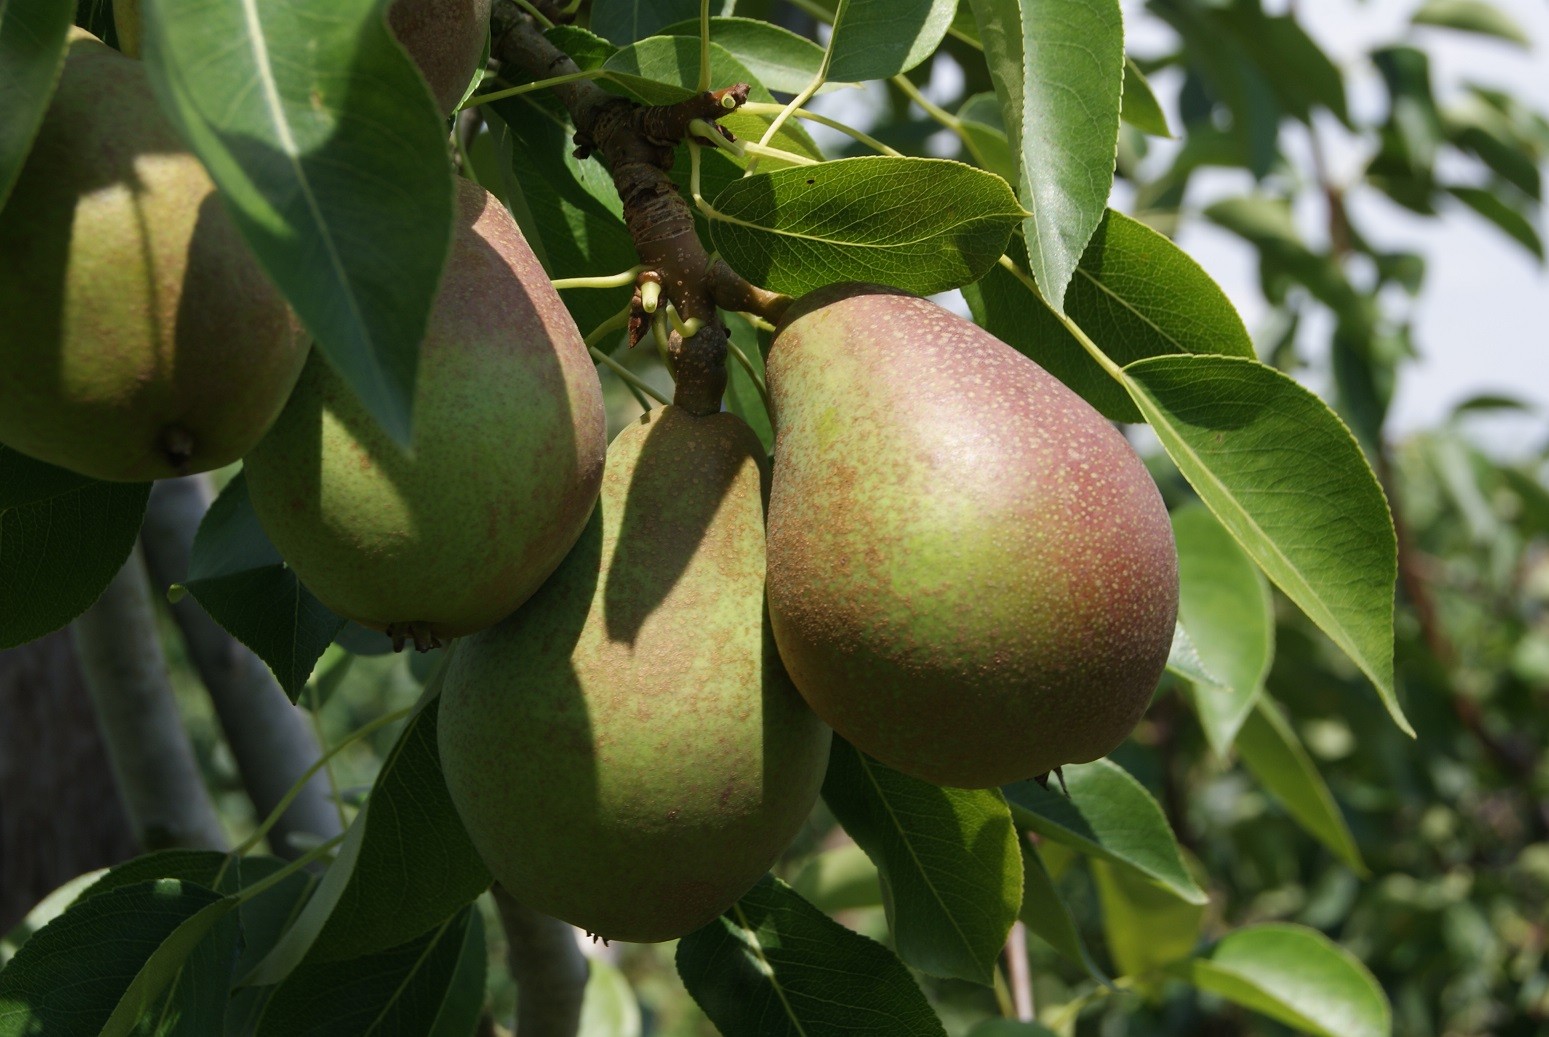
(406,989)
(1224,604)
(1058,69)
(1141,109)
(984,134)
(775,966)
(63,537)
(406,864)
(100,966)
(948,860)
(1476,16)
(32,51)
(1108,814)
(779,58)
(922,225)
(331,157)
(1146,926)
(625,21)
(1295,975)
(1270,750)
(237,574)
(1287,480)
(1135,293)
(875,39)
(1046,915)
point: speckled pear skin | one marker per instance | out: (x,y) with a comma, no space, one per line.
(445,38)
(972,576)
(626,751)
(507,455)
(139,339)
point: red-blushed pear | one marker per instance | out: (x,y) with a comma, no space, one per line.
(445,38)
(625,750)
(139,338)
(452,534)
(971,575)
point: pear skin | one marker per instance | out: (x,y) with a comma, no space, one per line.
(972,576)
(452,534)
(140,338)
(445,38)
(626,751)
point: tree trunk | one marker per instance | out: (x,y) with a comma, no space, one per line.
(60,815)
(269,738)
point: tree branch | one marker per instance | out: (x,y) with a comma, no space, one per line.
(269,738)
(636,142)
(549,969)
(152,758)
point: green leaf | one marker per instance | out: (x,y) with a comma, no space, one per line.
(779,58)
(1140,107)
(609,1008)
(100,966)
(921,225)
(1270,749)
(1224,604)
(32,52)
(1475,16)
(665,69)
(1287,480)
(331,157)
(63,537)
(406,864)
(1183,659)
(948,860)
(1295,975)
(1135,293)
(625,21)
(1058,69)
(403,990)
(1045,914)
(1266,224)
(240,579)
(567,208)
(1291,63)
(742,395)
(1108,814)
(1010,1028)
(1145,924)
(875,39)
(840,879)
(1498,211)
(984,134)
(775,966)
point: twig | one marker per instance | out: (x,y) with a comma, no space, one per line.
(153,760)
(1020,975)
(269,738)
(549,969)
(637,142)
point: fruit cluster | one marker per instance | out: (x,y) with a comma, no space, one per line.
(964,570)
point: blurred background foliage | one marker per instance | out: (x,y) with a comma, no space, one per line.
(1453,828)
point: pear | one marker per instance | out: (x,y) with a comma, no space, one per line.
(451,535)
(626,752)
(972,576)
(140,338)
(445,38)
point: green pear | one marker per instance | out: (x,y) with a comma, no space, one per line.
(626,751)
(445,38)
(140,338)
(452,534)
(971,575)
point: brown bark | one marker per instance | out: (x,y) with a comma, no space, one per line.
(60,814)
